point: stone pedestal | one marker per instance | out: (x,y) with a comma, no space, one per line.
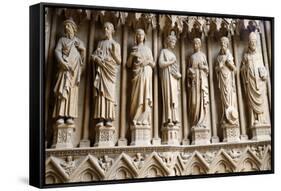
(122,142)
(156,141)
(185,141)
(63,135)
(170,135)
(261,132)
(200,136)
(105,136)
(84,143)
(141,135)
(215,139)
(231,133)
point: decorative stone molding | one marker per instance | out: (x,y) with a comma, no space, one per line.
(108,164)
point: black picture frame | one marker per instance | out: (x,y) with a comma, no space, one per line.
(37,92)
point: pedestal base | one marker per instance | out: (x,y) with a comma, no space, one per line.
(85,143)
(231,133)
(185,141)
(156,141)
(105,136)
(63,135)
(244,137)
(261,132)
(122,142)
(170,135)
(200,136)
(141,135)
(215,139)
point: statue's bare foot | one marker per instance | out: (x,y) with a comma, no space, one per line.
(70,121)
(108,123)
(60,121)
(99,124)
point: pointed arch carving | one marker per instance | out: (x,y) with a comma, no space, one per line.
(196,165)
(153,167)
(88,170)
(122,168)
(222,163)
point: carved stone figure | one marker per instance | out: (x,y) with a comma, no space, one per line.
(198,85)
(107,57)
(141,62)
(170,75)
(197,74)
(225,69)
(254,76)
(68,165)
(70,54)
(226,82)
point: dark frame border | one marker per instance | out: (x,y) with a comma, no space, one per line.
(37,93)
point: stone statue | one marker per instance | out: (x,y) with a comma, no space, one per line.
(197,74)
(225,69)
(107,57)
(254,76)
(70,55)
(170,76)
(141,62)
(68,165)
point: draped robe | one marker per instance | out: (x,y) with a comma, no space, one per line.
(170,86)
(226,84)
(198,89)
(105,80)
(141,95)
(254,75)
(66,87)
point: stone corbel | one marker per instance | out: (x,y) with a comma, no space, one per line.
(245,27)
(142,20)
(169,23)
(219,27)
(196,27)
(117,18)
(78,15)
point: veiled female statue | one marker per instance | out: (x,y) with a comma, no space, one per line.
(107,57)
(197,74)
(225,69)
(70,54)
(254,76)
(141,63)
(170,75)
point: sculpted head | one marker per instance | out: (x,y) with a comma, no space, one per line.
(139,36)
(108,29)
(224,43)
(196,44)
(171,41)
(70,27)
(252,41)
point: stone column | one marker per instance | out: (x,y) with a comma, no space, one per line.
(267,30)
(156,140)
(85,142)
(215,138)
(49,69)
(241,111)
(122,141)
(265,60)
(185,126)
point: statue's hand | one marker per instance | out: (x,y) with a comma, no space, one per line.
(64,65)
